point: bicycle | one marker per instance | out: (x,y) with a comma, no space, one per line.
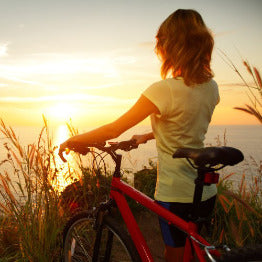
(96,236)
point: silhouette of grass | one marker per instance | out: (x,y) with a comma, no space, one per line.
(254,90)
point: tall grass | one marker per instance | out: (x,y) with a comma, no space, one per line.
(254,93)
(33,211)
(30,210)
(93,184)
(238,214)
(237,219)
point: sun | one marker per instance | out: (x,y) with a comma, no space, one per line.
(62,111)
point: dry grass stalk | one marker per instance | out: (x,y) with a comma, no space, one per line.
(29,200)
(238,214)
(255,91)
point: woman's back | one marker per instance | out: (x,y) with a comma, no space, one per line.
(185,113)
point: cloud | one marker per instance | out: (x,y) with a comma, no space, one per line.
(12,79)
(70,98)
(104,86)
(81,71)
(16,82)
(58,64)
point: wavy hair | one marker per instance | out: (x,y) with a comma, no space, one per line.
(184,45)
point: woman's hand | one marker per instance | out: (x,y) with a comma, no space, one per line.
(65,147)
(142,139)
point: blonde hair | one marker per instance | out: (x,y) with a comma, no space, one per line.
(185,45)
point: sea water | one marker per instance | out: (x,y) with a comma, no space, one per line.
(247,138)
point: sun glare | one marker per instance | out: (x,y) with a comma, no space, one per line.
(63,179)
(62,111)
(61,135)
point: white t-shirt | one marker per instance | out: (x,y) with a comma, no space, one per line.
(185,113)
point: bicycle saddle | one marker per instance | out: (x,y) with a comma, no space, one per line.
(211,155)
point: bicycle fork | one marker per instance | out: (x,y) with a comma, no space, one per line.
(103,208)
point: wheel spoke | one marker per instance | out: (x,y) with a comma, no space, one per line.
(115,245)
(79,239)
(81,244)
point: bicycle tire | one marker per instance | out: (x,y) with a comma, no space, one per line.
(245,254)
(79,237)
(79,240)
(122,248)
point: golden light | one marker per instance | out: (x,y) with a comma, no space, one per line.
(62,180)
(62,111)
(62,134)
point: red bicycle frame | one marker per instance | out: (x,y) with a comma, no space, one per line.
(118,191)
(205,161)
(194,241)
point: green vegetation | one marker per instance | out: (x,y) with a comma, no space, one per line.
(145,179)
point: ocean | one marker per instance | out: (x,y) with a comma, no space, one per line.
(247,138)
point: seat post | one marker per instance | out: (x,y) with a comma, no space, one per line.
(199,184)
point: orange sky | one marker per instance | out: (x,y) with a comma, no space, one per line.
(91,60)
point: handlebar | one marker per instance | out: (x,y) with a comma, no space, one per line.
(126,145)
(109,147)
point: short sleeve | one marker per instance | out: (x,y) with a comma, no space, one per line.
(159,94)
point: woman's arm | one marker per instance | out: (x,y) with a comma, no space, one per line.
(138,112)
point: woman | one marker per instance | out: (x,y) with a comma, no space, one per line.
(181,108)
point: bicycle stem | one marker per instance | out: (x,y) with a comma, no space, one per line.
(117,159)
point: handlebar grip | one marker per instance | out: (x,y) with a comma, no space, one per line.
(83,149)
(127,145)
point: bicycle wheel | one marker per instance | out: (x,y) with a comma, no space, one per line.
(79,238)
(246,254)
(115,243)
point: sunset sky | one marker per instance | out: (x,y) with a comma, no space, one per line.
(90,60)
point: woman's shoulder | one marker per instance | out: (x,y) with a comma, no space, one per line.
(213,85)
(159,86)
(162,82)
(212,82)
(178,82)
(207,85)
(166,83)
